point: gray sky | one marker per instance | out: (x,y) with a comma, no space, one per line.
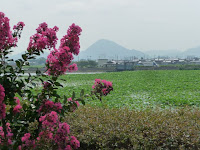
(135,24)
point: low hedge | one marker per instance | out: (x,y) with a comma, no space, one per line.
(103,128)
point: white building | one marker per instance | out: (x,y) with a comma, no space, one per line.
(101,62)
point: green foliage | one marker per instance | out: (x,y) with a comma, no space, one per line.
(103,128)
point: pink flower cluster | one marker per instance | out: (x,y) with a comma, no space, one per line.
(18,29)
(27,143)
(17,108)
(61,134)
(72,67)
(9,134)
(46,85)
(49,124)
(49,106)
(45,38)
(2,105)
(74,142)
(58,61)
(54,130)
(102,87)
(71,40)
(73,104)
(6,38)
(49,120)
(19,26)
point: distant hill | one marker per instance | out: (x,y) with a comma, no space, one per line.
(108,49)
(169,53)
(175,53)
(192,52)
(111,50)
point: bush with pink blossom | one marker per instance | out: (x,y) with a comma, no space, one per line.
(102,88)
(35,121)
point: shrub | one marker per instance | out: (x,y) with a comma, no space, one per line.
(103,128)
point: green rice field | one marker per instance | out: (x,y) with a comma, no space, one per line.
(140,89)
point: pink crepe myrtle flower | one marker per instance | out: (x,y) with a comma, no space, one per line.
(27,142)
(74,142)
(19,26)
(102,87)
(2,105)
(49,106)
(68,147)
(6,38)
(46,85)
(72,67)
(55,28)
(18,107)
(45,135)
(62,133)
(71,40)
(58,61)
(45,38)
(1,133)
(2,93)
(73,104)
(9,133)
(49,120)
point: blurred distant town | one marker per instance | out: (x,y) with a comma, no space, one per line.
(105,55)
(134,63)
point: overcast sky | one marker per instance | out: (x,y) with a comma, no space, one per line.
(135,24)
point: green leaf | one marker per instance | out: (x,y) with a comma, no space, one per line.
(24,106)
(65,99)
(54,78)
(24,56)
(82,93)
(58,84)
(18,63)
(81,100)
(73,95)
(10,59)
(38,72)
(41,80)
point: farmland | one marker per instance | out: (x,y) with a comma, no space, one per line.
(140,89)
(129,117)
(146,110)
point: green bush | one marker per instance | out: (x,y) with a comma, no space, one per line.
(102,128)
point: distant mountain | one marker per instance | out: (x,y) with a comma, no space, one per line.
(192,52)
(110,50)
(175,53)
(169,53)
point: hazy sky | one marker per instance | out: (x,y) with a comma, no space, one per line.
(135,24)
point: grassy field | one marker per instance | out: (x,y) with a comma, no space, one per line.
(140,89)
